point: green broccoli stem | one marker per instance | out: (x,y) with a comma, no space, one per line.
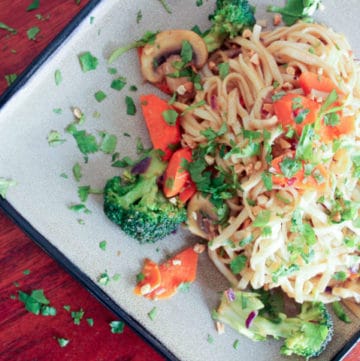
(214,40)
(142,188)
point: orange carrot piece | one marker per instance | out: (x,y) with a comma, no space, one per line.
(151,278)
(176,176)
(163,135)
(179,269)
(309,81)
(300,180)
(345,126)
(286,111)
(188,191)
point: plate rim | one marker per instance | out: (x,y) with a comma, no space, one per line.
(54,252)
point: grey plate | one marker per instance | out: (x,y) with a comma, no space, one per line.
(41,198)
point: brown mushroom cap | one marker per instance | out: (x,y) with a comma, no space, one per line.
(167,43)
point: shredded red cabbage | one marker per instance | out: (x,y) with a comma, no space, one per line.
(250,318)
(142,166)
(230,295)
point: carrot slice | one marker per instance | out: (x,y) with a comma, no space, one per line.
(176,176)
(318,179)
(188,191)
(179,269)
(309,81)
(163,135)
(151,278)
(345,126)
(296,111)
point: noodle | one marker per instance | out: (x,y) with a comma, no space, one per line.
(292,236)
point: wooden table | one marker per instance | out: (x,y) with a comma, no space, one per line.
(24,266)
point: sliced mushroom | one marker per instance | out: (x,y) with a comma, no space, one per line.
(167,43)
(201,216)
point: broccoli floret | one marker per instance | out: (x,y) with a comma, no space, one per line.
(305,335)
(229,19)
(136,203)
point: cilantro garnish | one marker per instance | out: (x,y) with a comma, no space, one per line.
(224,69)
(186,53)
(238,263)
(283,271)
(79,208)
(104,278)
(54,138)
(5,184)
(7,28)
(90,322)
(58,77)
(63,342)
(37,303)
(290,166)
(88,62)
(32,33)
(84,191)
(118,83)
(86,142)
(340,276)
(152,313)
(77,171)
(267,180)
(99,96)
(117,326)
(262,219)
(170,116)
(77,316)
(130,106)
(10,78)
(165,6)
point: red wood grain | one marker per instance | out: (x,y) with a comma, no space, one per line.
(25,336)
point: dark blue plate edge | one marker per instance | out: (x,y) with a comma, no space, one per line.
(41,241)
(52,251)
(83,279)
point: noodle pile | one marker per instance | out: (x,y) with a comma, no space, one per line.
(302,238)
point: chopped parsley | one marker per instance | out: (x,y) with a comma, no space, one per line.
(118,83)
(170,116)
(32,33)
(8,28)
(262,219)
(54,138)
(5,184)
(63,342)
(86,142)
(37,303)
(100,96)
(117,326)
(224,69)
(79,208)
(102,245)
(152,313)
(130,106)
(84,191)
(77,316)
(58,77)
(238,263)
(77,173)
(10,78)
(88,62)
